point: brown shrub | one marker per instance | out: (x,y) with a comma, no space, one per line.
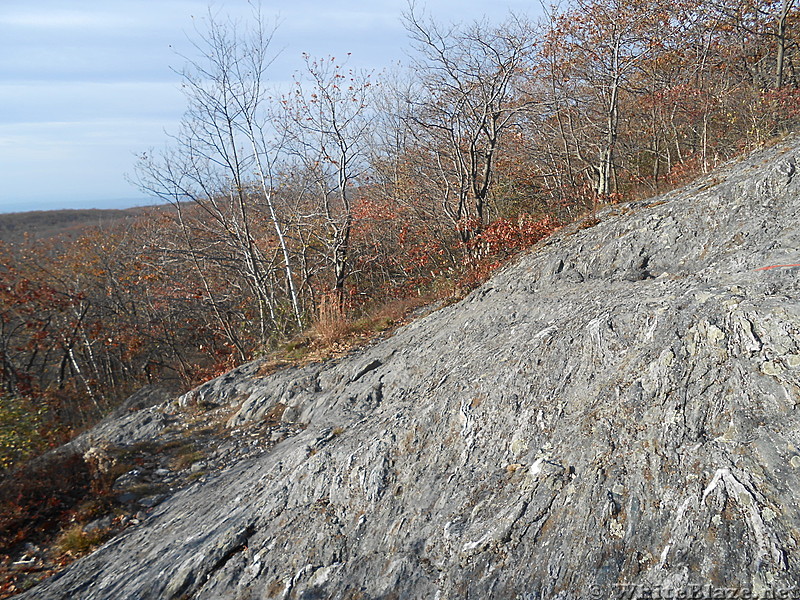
(37,498)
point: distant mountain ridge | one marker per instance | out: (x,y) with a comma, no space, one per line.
(44,224)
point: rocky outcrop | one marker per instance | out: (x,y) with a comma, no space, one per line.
(614,413)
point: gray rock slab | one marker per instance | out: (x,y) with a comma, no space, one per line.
(617,408)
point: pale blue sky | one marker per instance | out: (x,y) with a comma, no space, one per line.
(85,85)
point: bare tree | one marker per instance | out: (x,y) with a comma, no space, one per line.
(222,161)
(326,120)
(598,50)
(470,82)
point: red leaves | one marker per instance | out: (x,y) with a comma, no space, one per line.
(368,210)
(505,237)
(785,102)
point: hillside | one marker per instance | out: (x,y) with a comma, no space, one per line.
(617,408)
(43,224)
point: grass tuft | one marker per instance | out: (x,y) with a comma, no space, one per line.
(77,542)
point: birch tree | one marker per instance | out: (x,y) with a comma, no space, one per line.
(221,162)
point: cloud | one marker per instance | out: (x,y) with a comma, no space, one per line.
(63,20)
(49,101)
(60,45)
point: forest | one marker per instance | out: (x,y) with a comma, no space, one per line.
(310,217)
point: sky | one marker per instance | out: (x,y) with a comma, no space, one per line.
(86,85)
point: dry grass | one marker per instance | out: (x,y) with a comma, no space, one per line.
(274,415)
(331,324)
(390,314)
(77,542)
(186,457)
(335,332)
